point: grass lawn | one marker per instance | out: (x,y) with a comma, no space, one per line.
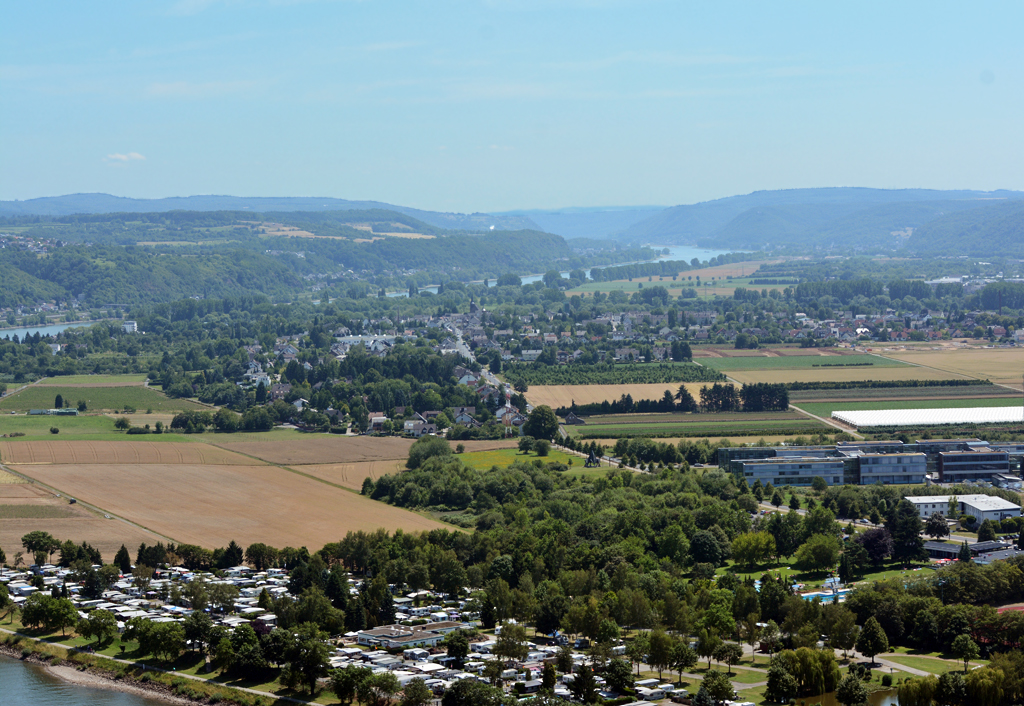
(825,409)
(587,473)
(93,379)
(503,458)
(918,652)
(800,362)
(925,664)
(740,675)
(815,580)
(97,398)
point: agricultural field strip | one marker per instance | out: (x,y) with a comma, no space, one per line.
(564,395)
(116,452)
(97,398)
(903,393)
(92,380)
(322,450)
(843,374)
(994,364)
(28,477)
(203,504)
(720,418)
(799,362)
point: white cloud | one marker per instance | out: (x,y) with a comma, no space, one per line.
(120,158)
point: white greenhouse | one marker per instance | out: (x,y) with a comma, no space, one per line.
(929,417)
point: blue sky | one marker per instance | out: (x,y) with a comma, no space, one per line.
(507,104)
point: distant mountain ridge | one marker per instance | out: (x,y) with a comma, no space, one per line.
(841,219)
(587,222)
(105,203)
(795,216)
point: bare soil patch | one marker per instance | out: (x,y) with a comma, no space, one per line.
(324,449)
(115,452)
(210,505)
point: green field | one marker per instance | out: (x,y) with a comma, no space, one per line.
(503,458)
(801,362)
(754,427)
(87,427)
(97,398)
(825,409)
(34,512)
(92,379)
(888,393)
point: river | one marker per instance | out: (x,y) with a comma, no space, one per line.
(675,252)
(44,331)
(27,684)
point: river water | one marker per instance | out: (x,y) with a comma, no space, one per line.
(24,684)
(44,331)
(675,252)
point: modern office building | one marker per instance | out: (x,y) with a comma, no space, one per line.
(981,507)
(893,469)
(870,462)
(962,466)
(791,471)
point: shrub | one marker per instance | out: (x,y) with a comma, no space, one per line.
(54,430)
(886,680)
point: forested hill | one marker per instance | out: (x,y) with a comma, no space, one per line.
(996,228)
(131,259)
(105,204)
(853,217)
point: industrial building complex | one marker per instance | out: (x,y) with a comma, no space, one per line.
(970,461)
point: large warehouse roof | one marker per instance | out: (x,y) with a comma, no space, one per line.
(929,417)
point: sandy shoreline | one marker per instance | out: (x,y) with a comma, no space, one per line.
(72,675)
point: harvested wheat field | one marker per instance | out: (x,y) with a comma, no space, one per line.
(350,475)
(839,374)
(210,505)
(115,452)
(563,395)
(26,507)
(9,479)
(1000,365)
(324,449)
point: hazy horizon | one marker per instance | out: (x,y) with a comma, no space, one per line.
(501,106)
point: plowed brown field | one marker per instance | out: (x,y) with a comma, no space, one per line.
(210,505)
(324,449)
(115,452)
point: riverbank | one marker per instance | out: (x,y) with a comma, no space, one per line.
(81,676)
(96,671)
(124,686)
